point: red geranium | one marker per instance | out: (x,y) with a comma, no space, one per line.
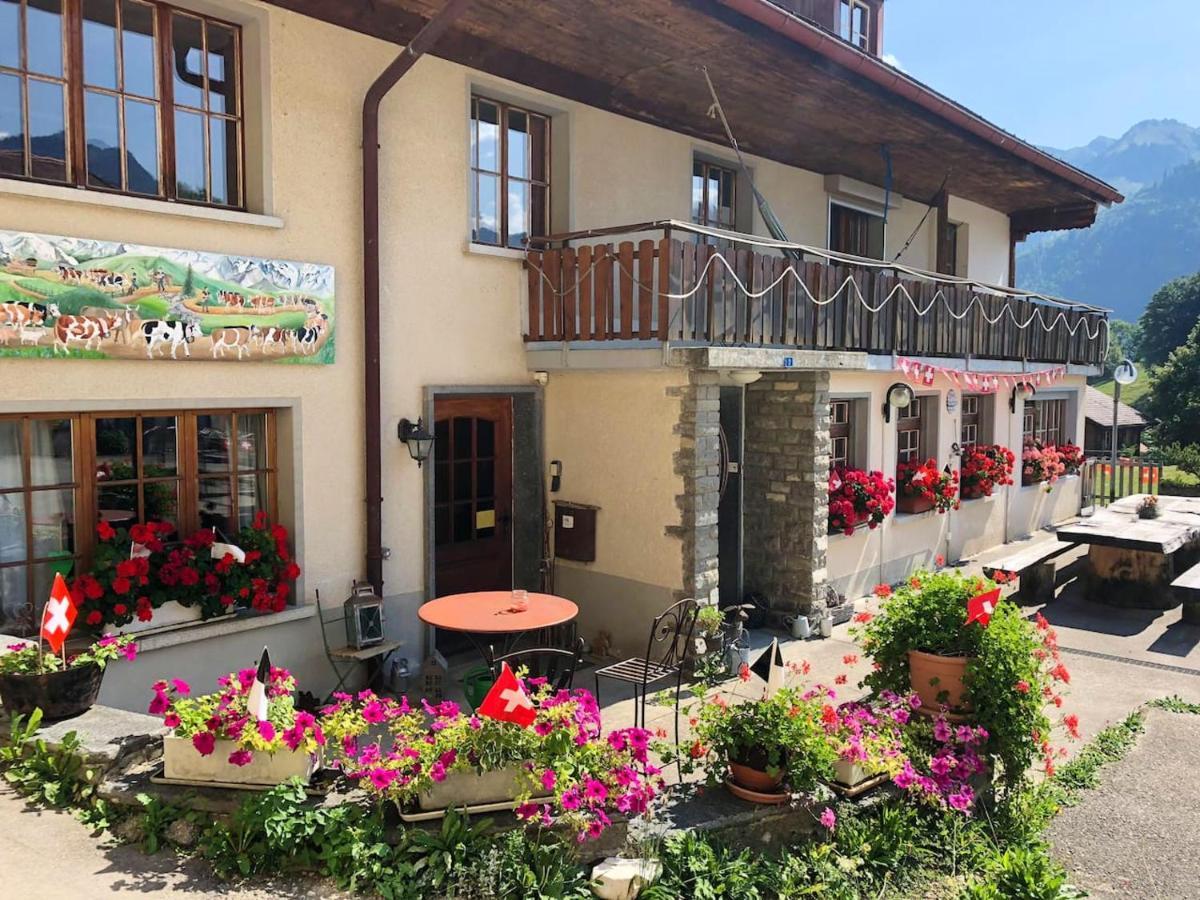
(917,479)
(857,497)
(984,468)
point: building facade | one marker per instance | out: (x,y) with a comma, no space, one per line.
(560,227)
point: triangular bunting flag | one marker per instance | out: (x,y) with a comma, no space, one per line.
(981,606)
(58,615)
(507,700)
(769,667)
(257,702)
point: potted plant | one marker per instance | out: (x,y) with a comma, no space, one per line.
(857,498)
(1041,464)
(1147,508)
(944,764)
(31,679)
(708,662)
(867,736)
(1000,672)
(984,468)
(1072,457)
(763,750)
(922,486)
(559,770)
(215,738)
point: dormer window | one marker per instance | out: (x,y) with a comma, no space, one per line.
(854,23)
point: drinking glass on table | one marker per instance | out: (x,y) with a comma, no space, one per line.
(520,600)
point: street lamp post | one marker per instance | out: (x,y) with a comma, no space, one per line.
(1125,373)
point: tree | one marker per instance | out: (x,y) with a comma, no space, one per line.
(1175,393)
(1172,312)
(1124,340)
(189,285)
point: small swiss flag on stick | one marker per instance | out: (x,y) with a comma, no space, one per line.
(981,606)
(58,615)
(507,700)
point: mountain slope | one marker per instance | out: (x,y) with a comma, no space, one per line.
(1140,157)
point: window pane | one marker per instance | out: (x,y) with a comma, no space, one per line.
(100,43)
(158,446)
(51,443)
(186,60)
(16,616)
(216,505)
(463,526)
(537,212)
(222,70)
(462,438)
(161,501)
(53,523)
(11,453)
(10,33)
(47,130)
(487,213)
(214,438)
(518,144)
(462,480)
(117,505)
(538,127)
(485,438)
(43,29)
(698,197)
(137,49)
(189,156)
(141,146)
(12,527)
(116,446)
(252,497)
(518,213)
(252,440)
(103,140)
(489,136)
(12,129)
(223,136)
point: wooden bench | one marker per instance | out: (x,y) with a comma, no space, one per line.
(1035,567)
(1186,589)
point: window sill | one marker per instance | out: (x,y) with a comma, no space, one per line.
(900,517)
(38,191)
(490,250)
(835,536)
(203,631)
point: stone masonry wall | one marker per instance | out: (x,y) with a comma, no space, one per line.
(698,463)
(785,487)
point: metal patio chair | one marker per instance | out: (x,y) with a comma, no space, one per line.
(344,659)
(556,664)
(671,636)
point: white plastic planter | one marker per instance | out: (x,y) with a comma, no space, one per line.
(849,773)
(182,762)
(472,788)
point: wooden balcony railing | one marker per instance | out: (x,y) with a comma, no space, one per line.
(672,281)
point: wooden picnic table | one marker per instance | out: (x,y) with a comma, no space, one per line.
(1132,561)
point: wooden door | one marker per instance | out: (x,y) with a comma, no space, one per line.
(472,494)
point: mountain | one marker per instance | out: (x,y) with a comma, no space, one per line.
(1137,246)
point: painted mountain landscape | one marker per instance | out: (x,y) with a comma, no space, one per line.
(72,297)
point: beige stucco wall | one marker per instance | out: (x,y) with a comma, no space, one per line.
(903,542)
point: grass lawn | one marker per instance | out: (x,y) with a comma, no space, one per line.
(1131,394)
(1174,473)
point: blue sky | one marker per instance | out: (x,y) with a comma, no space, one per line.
(1054,72)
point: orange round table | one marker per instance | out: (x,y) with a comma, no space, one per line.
(490,613)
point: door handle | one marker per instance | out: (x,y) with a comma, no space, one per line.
(504,519)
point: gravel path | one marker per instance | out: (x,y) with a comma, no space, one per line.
(1137,835)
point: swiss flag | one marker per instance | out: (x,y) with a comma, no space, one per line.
(981,606)
(58,615)
(507,701)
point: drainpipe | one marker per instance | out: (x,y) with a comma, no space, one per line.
(372,406)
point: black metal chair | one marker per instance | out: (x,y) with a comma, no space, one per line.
(671,636)
(556,664)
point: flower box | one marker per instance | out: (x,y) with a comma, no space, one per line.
(851,774)
(59,695)
(471,788)
(907,504)
(182,762)
(171,613)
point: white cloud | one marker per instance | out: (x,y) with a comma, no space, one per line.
(890,59)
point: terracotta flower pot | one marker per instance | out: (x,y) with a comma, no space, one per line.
(938,680)
(59,695)
(755,779)
(913,504)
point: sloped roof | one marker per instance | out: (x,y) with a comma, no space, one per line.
(1098,408)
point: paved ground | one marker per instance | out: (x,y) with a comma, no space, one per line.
(1137,836)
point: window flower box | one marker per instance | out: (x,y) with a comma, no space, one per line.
(858,498)
(471,788)
(984,468)
(921,486)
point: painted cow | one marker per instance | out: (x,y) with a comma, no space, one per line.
(176,334)
(119,320)
(241,338)
(87,330)
(306,337)
(19,313)
(278,338)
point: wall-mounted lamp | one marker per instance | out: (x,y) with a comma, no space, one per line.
(900,396)
(419,441)
(1023,391)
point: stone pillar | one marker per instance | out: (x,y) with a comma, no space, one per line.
(785,485)
(698,464)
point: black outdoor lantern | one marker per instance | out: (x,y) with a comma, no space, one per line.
(899,395)
(419,441)
(364,617)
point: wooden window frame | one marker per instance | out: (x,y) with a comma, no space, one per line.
(87,487)
(904,426)
(75,117)
(863,237)
(706,169)
(1041,418)
(972,416)
(848,35)
(502,174)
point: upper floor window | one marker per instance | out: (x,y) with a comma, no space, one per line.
(855,232)
(714,195)
(510,173)
(122,95)
(854,23)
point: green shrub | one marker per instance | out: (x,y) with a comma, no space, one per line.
(1022,873)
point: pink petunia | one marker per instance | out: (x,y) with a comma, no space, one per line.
(205,742)
(549,780)
(266,731)
(171,720)
(828,819)
(240,757)
(181,686)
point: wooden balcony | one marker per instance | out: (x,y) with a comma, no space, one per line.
(670,281)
